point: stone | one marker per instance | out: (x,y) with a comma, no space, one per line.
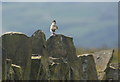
(113,72)
(102,60)
(45,73)
(60,46)
(4,57)
(39,68)
(17,72)
(18,48)
(35,67)
(75,70)
(38,42)
(39,49)
(59,70)
(9,71)
(88,67)
(12,71)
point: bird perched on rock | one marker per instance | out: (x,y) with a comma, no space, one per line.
(53,27)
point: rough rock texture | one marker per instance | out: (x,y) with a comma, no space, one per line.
(35,67)
(60,46)
(18,48)
(54,59)
(102,60)
(9,70)
(59,69)
(38,42)
(39,49)
(113,72)
(75,68)
(40,68)
(4,57)
(17,72)
(88,67)
(12,71)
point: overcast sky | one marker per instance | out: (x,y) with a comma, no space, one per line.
(87,22)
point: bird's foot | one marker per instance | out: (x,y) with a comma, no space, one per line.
(53,34)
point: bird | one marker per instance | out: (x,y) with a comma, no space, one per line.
(53,27)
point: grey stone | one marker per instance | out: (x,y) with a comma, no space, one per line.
(75,70)
(113,72)
(38,42)
(18,48)
(39,49)
(102,61)
(39,68)
(60,46)
(60,71)
(17,72)
(88,67)
(9,71)
(4,57)
(35,67)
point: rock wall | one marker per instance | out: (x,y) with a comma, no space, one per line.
(35,58)
(18,49)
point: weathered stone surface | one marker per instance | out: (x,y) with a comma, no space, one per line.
(9,70)
(88,67)
(102,60)
(60,46)
(17,72)
(45,74)
(35,67)
(18,48)
(39,49)
(59,69)
(113,72)
(75,68)
(38,42)
(12,71)
(39,68)
(4,57)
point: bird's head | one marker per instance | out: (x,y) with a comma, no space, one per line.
(54,21)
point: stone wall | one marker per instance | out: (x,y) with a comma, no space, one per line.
(18,49)
(35,58)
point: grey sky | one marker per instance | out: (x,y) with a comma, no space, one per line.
(87,22)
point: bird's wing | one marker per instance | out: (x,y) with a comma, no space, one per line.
(56,27)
